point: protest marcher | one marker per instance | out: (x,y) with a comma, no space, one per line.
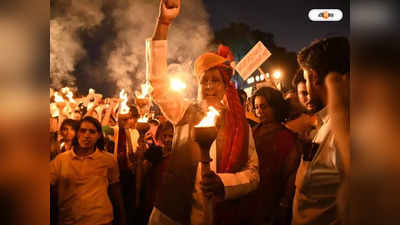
(279,155)
(67,134)
(155,163)
(82,177)
(243,100)
(68,131)
(305,126)
(299,83)
(319,175)
(296,108)
(125,146)
(234,169)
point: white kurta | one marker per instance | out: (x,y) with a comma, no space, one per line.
(318,180)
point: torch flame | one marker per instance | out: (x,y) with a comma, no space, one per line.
(143,119)
(70,96)
(146,89)
(58,98)
(210,119)
(65,90)
(124,107)
(177,85)
(54,110)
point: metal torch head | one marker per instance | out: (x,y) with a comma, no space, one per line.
(205,136)
(142,128)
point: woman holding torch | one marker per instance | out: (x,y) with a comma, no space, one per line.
(234,169)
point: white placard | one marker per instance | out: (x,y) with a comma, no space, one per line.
(253,60)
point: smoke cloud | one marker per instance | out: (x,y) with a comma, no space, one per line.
(70,17)
(122,58)
(189,36)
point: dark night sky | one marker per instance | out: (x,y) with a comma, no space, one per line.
(286,19)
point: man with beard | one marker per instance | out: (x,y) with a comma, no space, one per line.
(319,175)
(304,125)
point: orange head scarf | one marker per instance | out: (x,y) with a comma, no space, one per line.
(236,131)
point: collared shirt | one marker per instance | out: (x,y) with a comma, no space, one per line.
(174,106)
(82,184)
(318,180)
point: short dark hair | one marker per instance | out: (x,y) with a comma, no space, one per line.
(96,123)
(326,55)
(163,127)
(298,78)
(134,111)
(155,122)
(241,93)
(275,100)
(70,122)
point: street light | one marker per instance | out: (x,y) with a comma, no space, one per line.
(277,74)
(250,80)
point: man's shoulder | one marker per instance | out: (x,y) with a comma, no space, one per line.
(64,155)
(105,156)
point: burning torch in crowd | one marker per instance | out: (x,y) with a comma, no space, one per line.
(204,134)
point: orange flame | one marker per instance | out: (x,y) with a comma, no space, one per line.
(124,107)
(146,89)
(58,98)
(54,110)
(91,91)
(210,119)
(143,119)
(177,85)
(70,96)
(64,90)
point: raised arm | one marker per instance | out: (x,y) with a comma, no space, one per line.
(171,103)
(169,10)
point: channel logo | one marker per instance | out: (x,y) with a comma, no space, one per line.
(325,15)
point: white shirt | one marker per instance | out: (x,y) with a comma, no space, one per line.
(317,181)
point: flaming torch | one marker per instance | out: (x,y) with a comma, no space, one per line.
(142,101)
(124,107)
(204,134)
(142,98)
(142,126)
(70,97)
(59,101)
(71,102)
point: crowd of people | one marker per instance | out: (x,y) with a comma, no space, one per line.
(278,158)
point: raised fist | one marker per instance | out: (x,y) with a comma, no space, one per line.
(169,10)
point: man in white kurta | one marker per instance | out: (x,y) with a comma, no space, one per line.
(173,106)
